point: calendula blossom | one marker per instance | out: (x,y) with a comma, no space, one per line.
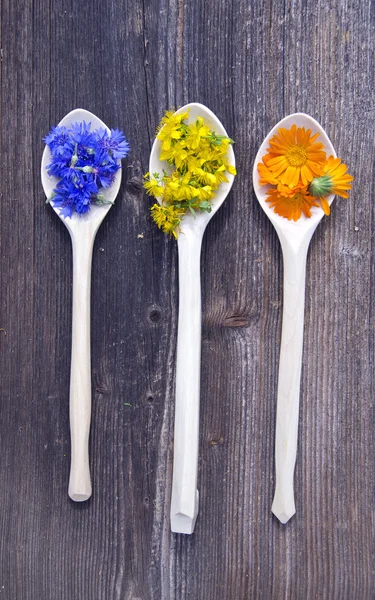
(293,205)
(300,175)
(295,156)
(197,165)
(334,180)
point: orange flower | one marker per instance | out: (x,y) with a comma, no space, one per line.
(294,156)
(291,206)
(340,178)
(266,177)
(334,180)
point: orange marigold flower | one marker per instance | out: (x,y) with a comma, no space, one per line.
(334,180)
(341,180)
(293,205)
(294,156)
(284,190)
(266,177)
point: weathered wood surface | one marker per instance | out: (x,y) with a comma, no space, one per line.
(251,63)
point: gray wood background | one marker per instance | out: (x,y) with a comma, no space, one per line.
(252,63)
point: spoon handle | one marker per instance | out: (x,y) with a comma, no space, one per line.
(80,373)
(184,503)
(289,380)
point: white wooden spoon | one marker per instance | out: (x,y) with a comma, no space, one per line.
(184,503)
(82,229)
(295,238)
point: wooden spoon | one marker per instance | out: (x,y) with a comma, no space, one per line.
(184,503)
(295,238)
(82,229)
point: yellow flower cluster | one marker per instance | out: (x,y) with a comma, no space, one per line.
(297,167)
(197,165)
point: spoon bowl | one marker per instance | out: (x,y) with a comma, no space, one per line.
(294,230)
(184,502)
(93,218)
(295,237)
(200,220)
(82,229)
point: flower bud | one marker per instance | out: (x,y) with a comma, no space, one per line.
(321,186)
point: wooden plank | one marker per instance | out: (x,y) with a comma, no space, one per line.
(251,63)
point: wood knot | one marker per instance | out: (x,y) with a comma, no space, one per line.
(236,321)
(101,389)
(134,186)
(154,315)
(216,442)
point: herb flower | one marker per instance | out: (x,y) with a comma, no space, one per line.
(300,175)
(85,162)
(334,180)
(197,165)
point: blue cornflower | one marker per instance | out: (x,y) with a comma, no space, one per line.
(102,167)
(115,143)
(61,157)
(85,162)
(82,136)
(58,136)
(74,195)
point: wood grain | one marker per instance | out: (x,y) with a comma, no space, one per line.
(252,63)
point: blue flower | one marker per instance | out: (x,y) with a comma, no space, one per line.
(85,161)
(103,168)
(61,157)
(72,195)
(82,136)
(58,136)
(115,143)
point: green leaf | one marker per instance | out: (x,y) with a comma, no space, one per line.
(205,206)
(100,200)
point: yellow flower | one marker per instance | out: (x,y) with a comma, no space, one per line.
(153,187)
(292,206)
(295,156)
(170,128)
(220,174)
(231,169)
(176,154)
(197,160)
(193,163)
(204,193)
(205,177)
(168,218)
(207,155)
(195,132)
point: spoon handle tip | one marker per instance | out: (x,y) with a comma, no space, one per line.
(182,522)
(283,507)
